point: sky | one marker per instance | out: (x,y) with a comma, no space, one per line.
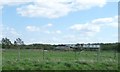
(59,21)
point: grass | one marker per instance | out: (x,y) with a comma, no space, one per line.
(0,59)
(58,60)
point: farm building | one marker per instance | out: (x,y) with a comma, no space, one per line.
(87,46)
(63,47)
(78,47)
(91,46)
(71,45)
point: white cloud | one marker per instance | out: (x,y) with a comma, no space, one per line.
(47,32)
(6,31)
(69,37)
(112,0)
(115,22)
(86,29)
(57,8)
(86,4)
(95,25)
(49,25)
(13,2)
(9,32)
(12,31)
(58,32)
(110,21)
(32,28)
(102,20)
(44,8)
(53,32)
(52,8)
(43,29)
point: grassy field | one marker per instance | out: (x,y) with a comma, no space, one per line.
(0,59)
(58,60)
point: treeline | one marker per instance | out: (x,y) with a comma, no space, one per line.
(7,44)
(18,43)
(109,46)
(39,46)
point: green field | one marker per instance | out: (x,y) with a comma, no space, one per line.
(35,59)
(0,58)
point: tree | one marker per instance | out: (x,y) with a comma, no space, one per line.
(6,43)
(18,42)
(79,46)
(15,43)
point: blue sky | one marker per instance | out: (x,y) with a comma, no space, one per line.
(60,21)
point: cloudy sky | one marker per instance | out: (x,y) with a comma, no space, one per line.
(59,21)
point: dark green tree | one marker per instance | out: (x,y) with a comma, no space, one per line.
(18,42)
(6,43)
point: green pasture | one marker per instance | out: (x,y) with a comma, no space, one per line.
(35,59)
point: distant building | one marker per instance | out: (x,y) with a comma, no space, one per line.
(71,45)
(63,47)
(91,46)
(78,47)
